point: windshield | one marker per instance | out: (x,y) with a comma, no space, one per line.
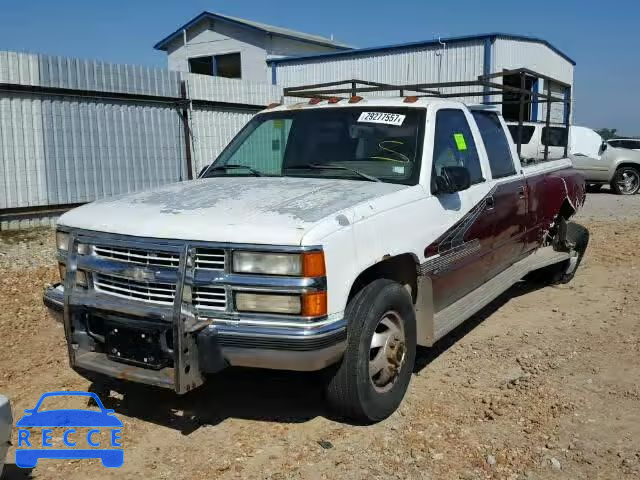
(364,144)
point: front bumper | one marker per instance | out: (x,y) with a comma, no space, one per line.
(241,342)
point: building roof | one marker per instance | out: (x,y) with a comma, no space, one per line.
(261,27)
(404,46)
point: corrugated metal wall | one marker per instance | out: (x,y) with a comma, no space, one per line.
(511,53)
(426,64)
(212,129)
(63,149)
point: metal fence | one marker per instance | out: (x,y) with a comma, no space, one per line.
(73,131)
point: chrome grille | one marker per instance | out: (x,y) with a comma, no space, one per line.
(210,258)
(163,293)
(211,298)
(141,257)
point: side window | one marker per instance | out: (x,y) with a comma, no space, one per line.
(454,146)
(554,136)
(496,144)
(264,148)
(614,143)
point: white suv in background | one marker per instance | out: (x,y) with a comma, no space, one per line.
(534,139)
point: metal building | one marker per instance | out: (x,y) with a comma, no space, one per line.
(220,45)
(435,61)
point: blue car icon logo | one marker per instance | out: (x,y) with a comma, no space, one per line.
(31,447)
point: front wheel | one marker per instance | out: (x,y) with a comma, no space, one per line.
(626,181)
(372,379)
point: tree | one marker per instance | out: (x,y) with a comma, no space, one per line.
(607,133)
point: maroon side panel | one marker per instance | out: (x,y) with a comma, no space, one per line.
(467,272)
(484,242)
(536,201)
(547,192)
(509,218)
(562,185)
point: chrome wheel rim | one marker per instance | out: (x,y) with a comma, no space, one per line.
(628,181)
(387,351)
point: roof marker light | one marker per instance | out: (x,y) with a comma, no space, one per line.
(412,99)
(315,101)
(334,99)
(355,99)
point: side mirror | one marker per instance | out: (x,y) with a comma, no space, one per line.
(452,180)
(603,147)
(203,170)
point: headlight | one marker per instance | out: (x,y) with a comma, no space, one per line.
(268,303)
(62,268)
(81,275)
(307,264)
(62,241)
(308,305)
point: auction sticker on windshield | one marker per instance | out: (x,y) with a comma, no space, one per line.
(382,117)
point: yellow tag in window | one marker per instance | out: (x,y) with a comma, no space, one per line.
(460,141)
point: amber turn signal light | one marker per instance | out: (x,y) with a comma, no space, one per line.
(313,264)
(314,304)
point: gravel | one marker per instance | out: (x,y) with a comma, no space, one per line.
(545,383)
(605,205)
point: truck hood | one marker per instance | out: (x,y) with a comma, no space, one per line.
(262,210)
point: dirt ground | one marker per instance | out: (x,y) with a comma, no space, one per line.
(544,383)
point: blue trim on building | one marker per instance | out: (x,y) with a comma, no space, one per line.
(404,46)
(566,105)
(486,67)
(534,101)
(214,66)
(274,74)
(162,44)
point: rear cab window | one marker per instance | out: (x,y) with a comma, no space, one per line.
(454,146)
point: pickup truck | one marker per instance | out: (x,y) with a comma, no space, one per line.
(333,235)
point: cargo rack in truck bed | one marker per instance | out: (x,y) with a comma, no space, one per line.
(514,95)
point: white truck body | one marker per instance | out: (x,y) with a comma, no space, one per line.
(461,247)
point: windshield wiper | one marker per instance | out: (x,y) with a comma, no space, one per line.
(317,166)
(233,167)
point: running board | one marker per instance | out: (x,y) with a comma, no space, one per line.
(450,317)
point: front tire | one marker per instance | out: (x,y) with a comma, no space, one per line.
(626,181)
(372,379)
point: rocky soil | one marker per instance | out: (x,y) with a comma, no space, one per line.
(544,383)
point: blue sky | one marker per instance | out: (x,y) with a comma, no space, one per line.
(605,47)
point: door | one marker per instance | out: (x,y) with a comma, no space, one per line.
(593,169)
(457,262)
(507,207)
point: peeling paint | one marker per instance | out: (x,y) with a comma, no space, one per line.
(273,209)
